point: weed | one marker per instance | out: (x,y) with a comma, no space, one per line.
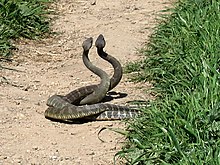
(21,18)
(183,125)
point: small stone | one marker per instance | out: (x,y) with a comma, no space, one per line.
(54,143)
(17,103)
(26,88)
(53,157)
(110,125)
(35,87)
(38,103)
(133,22)
(92,153)
(35,148)
(93,2)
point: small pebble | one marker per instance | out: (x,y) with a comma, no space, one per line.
(93,2)
(54,143)
(35,148)
(53,157)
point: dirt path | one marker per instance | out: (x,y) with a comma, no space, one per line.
(54,66)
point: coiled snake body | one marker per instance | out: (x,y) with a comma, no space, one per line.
(72,106)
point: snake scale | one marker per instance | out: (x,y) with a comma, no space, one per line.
(84,102)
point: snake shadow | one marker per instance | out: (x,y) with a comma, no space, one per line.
(112,95)
(73,121)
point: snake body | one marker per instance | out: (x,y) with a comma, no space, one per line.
(63,108)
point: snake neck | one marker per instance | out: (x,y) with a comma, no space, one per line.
(116,78)
(100,92)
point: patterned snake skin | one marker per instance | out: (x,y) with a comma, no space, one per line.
(72,106)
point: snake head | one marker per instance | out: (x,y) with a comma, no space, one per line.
(87,44)
(100,42)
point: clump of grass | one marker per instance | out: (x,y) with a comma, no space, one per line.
(21,18)
(183,58)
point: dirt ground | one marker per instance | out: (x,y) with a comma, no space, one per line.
(54,66)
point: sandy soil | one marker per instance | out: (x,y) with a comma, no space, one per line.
(54,66)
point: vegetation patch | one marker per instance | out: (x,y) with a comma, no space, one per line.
(21,18)
(182,126)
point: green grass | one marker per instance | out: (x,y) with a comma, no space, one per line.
(182,126)
(21,18)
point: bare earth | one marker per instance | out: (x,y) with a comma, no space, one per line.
(54,66)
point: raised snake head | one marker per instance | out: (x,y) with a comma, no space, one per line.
(100,42)
(87,44)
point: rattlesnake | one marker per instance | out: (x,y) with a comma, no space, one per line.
(70,106)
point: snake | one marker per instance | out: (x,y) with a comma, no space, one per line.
(80,93)
(62,107)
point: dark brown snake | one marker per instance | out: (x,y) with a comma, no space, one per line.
(66,107)
(80,93)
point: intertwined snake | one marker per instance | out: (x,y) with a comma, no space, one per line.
(84,102)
